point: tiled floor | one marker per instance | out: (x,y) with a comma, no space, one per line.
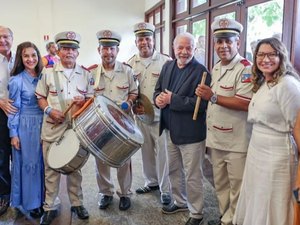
(145,210)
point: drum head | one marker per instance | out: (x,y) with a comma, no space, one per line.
(64,150)
(119,120)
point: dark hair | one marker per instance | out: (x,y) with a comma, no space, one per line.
(48,45)
(19,66)
(285,66)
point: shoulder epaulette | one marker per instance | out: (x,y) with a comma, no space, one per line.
(90,67)
(131,57)
(165,55)
(245,62)
(124,63)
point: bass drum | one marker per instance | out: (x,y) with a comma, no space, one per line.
(67,155)
(107,132)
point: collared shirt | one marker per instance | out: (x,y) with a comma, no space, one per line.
(116,84)
(148,74)
(227,129)
(76,85)
(5,68)
(21,91)
(276,107)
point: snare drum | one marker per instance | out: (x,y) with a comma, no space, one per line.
(107,132)
(67,155)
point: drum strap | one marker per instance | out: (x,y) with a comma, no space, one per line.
(59,91)
(98,76)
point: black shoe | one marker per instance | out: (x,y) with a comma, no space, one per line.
(80,211)
(105,201)
(172,208)
(194,221)
(214,222)
(4,204)
(48,217)
(146,189)
(36,213)
(125,203)
(165,198)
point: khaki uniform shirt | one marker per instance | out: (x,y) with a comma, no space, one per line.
(76,85)
(148,75)
(227,129)
(5,68)
(116,84)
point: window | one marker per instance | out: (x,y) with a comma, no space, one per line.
(156,16)
(269,16)
(260,18)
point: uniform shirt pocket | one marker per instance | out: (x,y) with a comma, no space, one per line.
(122,90)
(223,127)
(226,90)
(154,77)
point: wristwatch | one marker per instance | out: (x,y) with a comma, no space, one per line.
(213,99)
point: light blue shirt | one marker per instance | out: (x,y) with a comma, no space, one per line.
(22,91)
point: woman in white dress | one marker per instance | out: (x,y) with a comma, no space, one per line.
(266,192)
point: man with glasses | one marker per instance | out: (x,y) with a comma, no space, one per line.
(7,58)
(228,132)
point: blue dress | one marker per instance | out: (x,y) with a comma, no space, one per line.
(27,163)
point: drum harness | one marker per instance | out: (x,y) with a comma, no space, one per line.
(60,98)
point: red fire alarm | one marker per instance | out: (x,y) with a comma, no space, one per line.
(46,37)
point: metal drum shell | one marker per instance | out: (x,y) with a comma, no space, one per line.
(101,134)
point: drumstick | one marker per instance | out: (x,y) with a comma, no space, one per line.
(65,112)
(196,110)
(86,104)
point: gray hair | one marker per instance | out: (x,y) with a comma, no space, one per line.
(9,30)
(185,35)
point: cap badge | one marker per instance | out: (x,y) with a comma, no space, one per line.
(224,23)
(71,35)
(142,26)
(107,34)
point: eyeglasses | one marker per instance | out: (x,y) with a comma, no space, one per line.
(270,55)
(5,36)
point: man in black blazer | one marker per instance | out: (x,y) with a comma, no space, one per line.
(175,96)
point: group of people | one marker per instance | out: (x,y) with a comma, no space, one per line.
(246,123)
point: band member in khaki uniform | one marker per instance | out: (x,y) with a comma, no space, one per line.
(114,80)
(228,132)
(147,65)
(54,97)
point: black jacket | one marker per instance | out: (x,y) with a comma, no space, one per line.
(183,129)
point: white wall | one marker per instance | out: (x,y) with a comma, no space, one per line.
(150,3)
(30,20)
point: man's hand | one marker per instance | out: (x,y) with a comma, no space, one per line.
(15,142)
(7,107)
(204,92)
(167,95)
(79,101)
(57,116)
(138,109)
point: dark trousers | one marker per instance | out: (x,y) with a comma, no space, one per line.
(5,153)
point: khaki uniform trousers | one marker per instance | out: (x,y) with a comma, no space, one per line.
(105,183)
(228,169)
(186,175)
(154,156)
(52,181)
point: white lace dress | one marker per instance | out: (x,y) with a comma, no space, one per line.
(266,192)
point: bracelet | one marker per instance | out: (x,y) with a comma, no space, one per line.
(48,110)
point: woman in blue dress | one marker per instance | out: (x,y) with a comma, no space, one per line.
(25,130)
